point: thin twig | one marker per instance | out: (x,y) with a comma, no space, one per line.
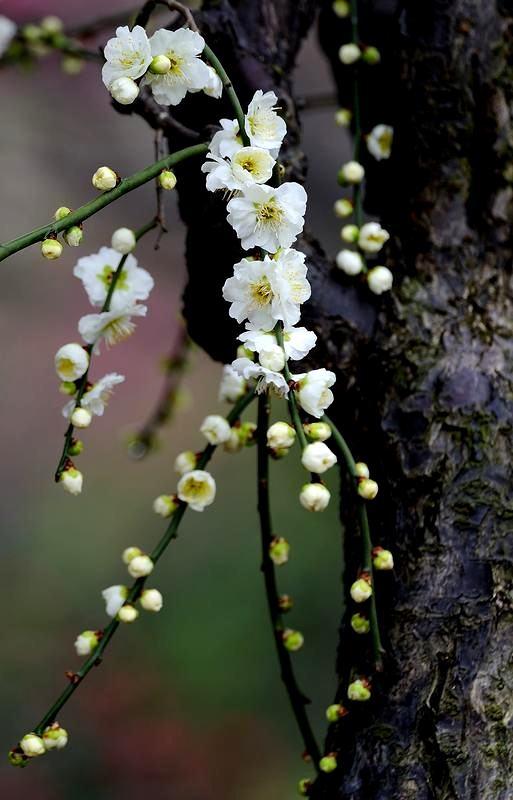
(159,192)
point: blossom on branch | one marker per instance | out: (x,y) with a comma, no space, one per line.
(263,216)
(96,273)
(187,72)
(128,55)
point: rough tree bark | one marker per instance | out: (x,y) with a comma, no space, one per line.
(424,376)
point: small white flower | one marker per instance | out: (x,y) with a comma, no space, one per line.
(232,385)
(314,497)
(215,429)
(96,272)
(197,488)
(227,141)
(185,462)
(265,378)
(123,241)
(297,342)
(248,166)
(352,172)
(372,237)
(214,84)
(72,480)
(140,566)
(128,55)
(280,435)
(317,458)
(113,326)
(264,127)
(55,737)
(124,91)
(71,362)
(349,262)
(269,290)
(32,745)
(313,392)
(164,505)
(86,642)
(380,280)
(7,33)
(379,141)
(263,216)
(188,73)
(81,417)
(272,358)
(349,53)
(96,398)
(114,597)
(152,600)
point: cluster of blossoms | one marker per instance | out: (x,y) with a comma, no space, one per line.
(113,323)
(367,238)
(169,63)
(32,745)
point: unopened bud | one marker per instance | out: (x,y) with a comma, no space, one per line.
(285,603)
(160,65)
(140,566)
(81,417)
(152,600)
(127,613)
(360,624)
(185,462)
(86,642)
(51,249)
(73,236)
(17,757)
(55,737)
(352,172)
(67,388)
(104,179)
(51,25)
(361,470)
(279,550)
(350,233)
(293,640)
(167,179)
(72,65)
(343,208)
(72,480)
(367,488)
(349,53)
(359,690)
(76,447)
(382,559)
(371,55)
(328,763)
(341,8)
(123,240)
(61,212)
(361,590)
(317,431)
(304,786)
(124,90)
(129,553)
(32,745)
(164,505)
(335,712)
(314,497)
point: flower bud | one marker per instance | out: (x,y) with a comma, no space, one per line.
(32,745)
(279,550)
(124,90)
(81,417)
(72,480)
(382,559)
(243,352)
(304,786)
(160,65)
(341,8)
(68,388)
(73,236)
(351,172)
(31,33)
(293,640)
(140,566)
(349,53)
(129,553)
(123,241)
(72,65)
(51,249)
(17,758)
(76,447)
(51,25)
(360,624)
(371,55)
(361,590)
(115,597)
(359,690)
(350,233)
(86,643)
(71,363)
(104,179)
(380,280)
(285,603)
(164,505)
(167,179)
(280,435)
(127,613)
(152,600)
(361,469)
(343,208)
(314,497)
(335,712)
(349,262)
(234,444)
(273,358)
(55,737)
(367,488)
(317,458)
(185,462)
(343,117)
(215,429)
(372,238)
(328,763)
(247,433)
(61,212)
(317,431)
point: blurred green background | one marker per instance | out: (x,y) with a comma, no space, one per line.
(188,703)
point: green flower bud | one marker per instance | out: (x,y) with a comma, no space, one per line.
(343,208)
(317,431)
(160,65)
(382,559)
(76,447)
(304,786)
(68,388)
(104,179)
(285,603)
(17,758)
(343,117)
(247,433)
(359,690)
(328,763)
(167,179)
(61,212)
(371,55)
(367,488)
(279,550)
(341,8)
(361,590)
(361,470)
(335,712)
(360,624)
(51,249)
(350,233)
(293,640)
(73,236)
(72,65)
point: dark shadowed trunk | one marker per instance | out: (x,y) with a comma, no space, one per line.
(424,375)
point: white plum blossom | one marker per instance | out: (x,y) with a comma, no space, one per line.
(317,457)
(215,429)
(272,358)
(96,398)
(114,597)
(349,262)
(313,391)
(380,280)
(71,362)
(297,342)
(379,141)
(263,216)
(372,237)
(112,326)
(248,166)
(264,127)
(227,141)
(96,272)
(314,497)
(185,462)
(265,378)
(267,291)
(8,30)
(232,385)
(128,55)
(214,85)
(197,489)
(188,73)
(86,642)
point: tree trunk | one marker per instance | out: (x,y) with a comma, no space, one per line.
(424,386)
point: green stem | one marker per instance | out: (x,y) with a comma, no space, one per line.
(296,697)
(82,383)
(136,588)
(78,216)
(230,91)
(291,399)
(363,522)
